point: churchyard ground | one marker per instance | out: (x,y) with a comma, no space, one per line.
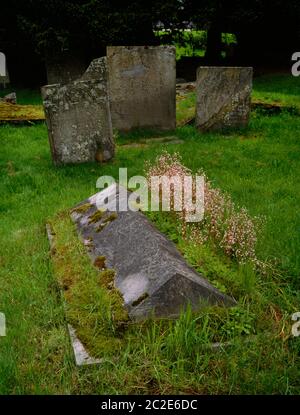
(258,167)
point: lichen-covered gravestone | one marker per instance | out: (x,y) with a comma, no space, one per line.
(96,70)
(142,86)
(223,97)
(152,276)
(78,120)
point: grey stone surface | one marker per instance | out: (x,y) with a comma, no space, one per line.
(2,64)
(151,274)
(223,97)
(79,122)
(4,76)
(10,98)
(82,357)
(97,70)
(142,86)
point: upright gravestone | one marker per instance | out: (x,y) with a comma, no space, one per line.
(223,97)
(152,276)
(96,70)
(142,86)
(78,120)
(4,77)
(2,64)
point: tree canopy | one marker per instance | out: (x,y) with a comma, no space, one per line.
(262,27)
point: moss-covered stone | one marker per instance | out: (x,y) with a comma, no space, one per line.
(96,216)
(82,208)
(107,278)
(94,307)
(100,262)
(140,299)
(15,112)
(111,217)
(101,227)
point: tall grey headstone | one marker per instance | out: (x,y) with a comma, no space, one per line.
(142,86)
(79,122)
(223,96)
(4,76)
(152,276)
(2,64)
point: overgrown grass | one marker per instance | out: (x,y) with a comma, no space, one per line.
(185,108)
(259,167)
(93,306)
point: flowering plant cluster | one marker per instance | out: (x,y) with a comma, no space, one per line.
(226,225)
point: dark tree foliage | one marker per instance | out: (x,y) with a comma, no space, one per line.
(265,29)
(272,24)
(69,23)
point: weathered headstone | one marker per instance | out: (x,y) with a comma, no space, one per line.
(10,98)
(151,274)
(96,70)
(142,86)
(2,64)
(4,76)
(223,97)
(78,121)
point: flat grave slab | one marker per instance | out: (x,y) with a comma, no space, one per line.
(152,276)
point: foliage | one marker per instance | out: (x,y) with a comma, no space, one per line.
(54,25)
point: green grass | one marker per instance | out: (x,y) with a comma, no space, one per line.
(24,96)
(287,90)
(185,108)
(259,167)
(93,307)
